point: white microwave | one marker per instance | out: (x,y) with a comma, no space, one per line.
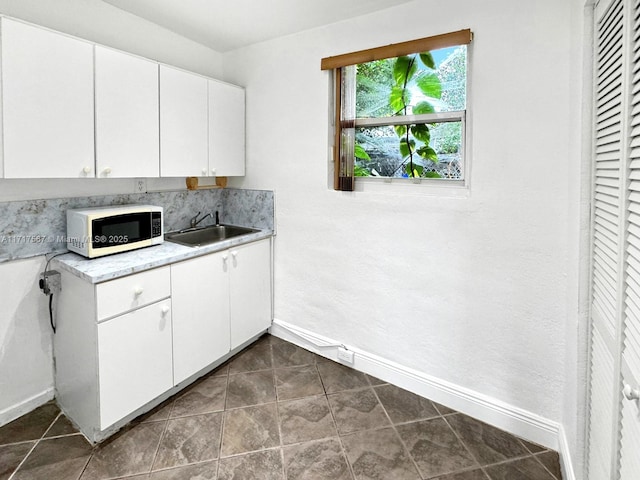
(98,231)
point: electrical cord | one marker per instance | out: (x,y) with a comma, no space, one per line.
(53,324)
(46,268)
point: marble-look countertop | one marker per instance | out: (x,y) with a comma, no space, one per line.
(101,269)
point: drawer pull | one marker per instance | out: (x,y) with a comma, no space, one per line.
(138,291)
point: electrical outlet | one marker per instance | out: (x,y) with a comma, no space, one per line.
(140,185)
(345,355)
(50,282)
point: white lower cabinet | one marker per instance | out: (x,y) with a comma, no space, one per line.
(112,361)
(134,360)
(249,291)
(200,293)
(220,301)
(124,344)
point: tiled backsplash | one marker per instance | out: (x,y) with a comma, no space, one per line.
(36,227)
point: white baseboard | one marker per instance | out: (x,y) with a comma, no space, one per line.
(514,420)
(15,411)
(566,462)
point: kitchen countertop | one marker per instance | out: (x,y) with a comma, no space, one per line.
(101,269)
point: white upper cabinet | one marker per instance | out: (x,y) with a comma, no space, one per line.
(150,120)
(47,84)
(226,129)
(127,115)
(183,123)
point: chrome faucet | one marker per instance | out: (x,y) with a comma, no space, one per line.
(195,220)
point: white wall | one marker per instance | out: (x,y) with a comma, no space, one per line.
(26,367)
(100,22)
(471,290)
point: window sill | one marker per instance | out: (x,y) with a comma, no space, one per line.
(418,187)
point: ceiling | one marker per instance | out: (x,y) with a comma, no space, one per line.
(225,25)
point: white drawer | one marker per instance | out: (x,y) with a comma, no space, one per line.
(134,291)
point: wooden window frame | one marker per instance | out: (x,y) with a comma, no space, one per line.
(335,63)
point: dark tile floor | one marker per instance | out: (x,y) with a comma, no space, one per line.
(277,412)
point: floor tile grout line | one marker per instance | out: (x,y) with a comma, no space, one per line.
(463,443)
(249,452)
(457,472)
(349,390)
(19,443)
(224,422)
(279,399)
(164,431)
(284,467)
(536,455)
(245,372)
(84,469)
(51,425)
(510,460)
(173,467)
(278,424)
(155,455)
(291,367)
(335,425)
(313,440)
(189,415)
(395,431)
(35,444)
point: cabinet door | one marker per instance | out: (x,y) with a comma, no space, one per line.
(250,290)
(183,123)
(134,360)
(127,115)
(200,297)
(47,89)
(226,129)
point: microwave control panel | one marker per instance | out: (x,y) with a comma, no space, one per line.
(156,224)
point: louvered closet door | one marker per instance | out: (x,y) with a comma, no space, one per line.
(607,220)
(614,420)
(630,368)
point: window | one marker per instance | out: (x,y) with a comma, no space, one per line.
(401,110)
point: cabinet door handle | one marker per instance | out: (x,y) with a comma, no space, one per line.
(631,393)
(213,172)
(107,171)
(204,172)
(225,257)
(165,309)
(234,253)
(138,291)
(86,170)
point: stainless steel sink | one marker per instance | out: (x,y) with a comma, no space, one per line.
(196,237)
